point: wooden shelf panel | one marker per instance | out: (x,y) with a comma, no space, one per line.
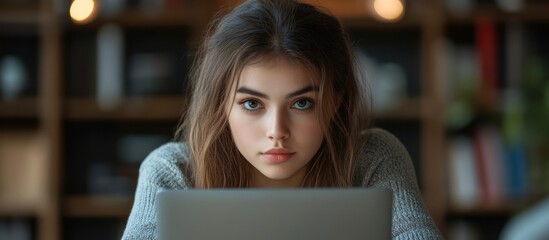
(97,206)
(368,23)
(139,18)
(157,108)
(505,209)
(17,210)
(19,108)
(25,14)
(413,18)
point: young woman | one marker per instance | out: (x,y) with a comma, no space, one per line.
(276,103)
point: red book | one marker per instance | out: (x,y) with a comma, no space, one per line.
(486,47)
(489,163)
(480,163)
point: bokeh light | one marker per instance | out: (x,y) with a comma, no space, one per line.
(82,11)
(388,10)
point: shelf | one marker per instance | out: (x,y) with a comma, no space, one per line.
(153,108)
(530,12)
(369,23)
(139,18)
(17,210)
(408,110)
(97,206)
(503,209)
(19,108)
(26,14)
(412,19)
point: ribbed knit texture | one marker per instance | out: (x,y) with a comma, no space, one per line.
(386,164)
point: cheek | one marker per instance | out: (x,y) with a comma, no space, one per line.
(243,129)
(309,131)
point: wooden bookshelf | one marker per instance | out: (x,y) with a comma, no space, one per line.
(56,110)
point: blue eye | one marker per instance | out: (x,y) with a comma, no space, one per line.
(303,104)
(251,105)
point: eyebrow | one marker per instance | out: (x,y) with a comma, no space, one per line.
(262,95)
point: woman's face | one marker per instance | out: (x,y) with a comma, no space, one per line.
(273,121)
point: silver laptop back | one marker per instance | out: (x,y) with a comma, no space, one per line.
(288,214)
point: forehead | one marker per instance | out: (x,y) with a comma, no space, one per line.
(275,71)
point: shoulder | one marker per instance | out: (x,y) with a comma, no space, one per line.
(173,152)
(164,164)
(381,142)
(382,145)
(382,150)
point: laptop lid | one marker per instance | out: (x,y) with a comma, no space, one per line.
(358,213)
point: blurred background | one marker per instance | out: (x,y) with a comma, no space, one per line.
(89,87)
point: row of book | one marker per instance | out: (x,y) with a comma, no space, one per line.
(107,161)
(481,60)
(496,72)
(114,63)
(484,169)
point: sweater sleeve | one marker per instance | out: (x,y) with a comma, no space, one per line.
(392,168)
(159,171)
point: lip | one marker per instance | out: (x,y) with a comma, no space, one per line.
(279,151)
(278,155)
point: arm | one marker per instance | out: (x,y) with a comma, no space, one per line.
(393,169)
(155,173)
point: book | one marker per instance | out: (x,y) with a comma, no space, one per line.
(464,190)
(110,62)
(23,169)
(514,54)
(489,163)
(486,46)
(515,161)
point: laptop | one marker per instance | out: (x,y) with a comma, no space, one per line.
(243,214)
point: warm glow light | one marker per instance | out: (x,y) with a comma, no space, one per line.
(389,10)
(82,10)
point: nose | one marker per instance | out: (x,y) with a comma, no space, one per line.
(277,126)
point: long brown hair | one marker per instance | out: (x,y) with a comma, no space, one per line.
(281,28)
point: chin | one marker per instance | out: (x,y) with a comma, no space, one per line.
(277,175)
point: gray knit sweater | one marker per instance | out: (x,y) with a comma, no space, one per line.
(386,164)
